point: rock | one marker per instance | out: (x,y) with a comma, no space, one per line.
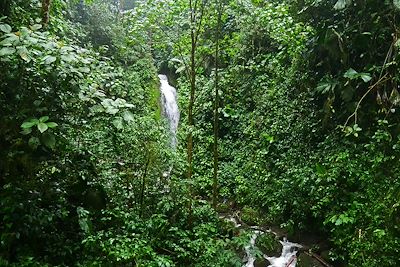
(307,261)
(269,245)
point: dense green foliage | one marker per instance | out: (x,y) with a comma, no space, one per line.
(308,135)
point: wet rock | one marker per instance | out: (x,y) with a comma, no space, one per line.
(305,260)
(269,244)
(325,255)
(250,216)
(260,263)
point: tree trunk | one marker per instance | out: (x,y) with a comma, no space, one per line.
(192,78)
(216,106)
(46,5)
(196,18)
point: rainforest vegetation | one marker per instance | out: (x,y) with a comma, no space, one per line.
(289,119)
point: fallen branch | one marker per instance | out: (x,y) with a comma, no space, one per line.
(318,258)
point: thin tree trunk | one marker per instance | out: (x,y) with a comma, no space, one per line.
(46,5)
(216,106)
(191,103)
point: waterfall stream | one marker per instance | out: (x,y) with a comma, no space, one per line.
(169,105)
(288,257)
(170,111)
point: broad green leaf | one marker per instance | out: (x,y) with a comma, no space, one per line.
(112,110)
(365,77)
(84,69)
(25,57)
(26,131)
(68,57)
(44,119)
(5,28)
(23,53)
(351,74)
(51,124)
(119,102)
(341,4)
(379,233)
(32,41)
(176,60)
(357,128)
(180,69)
(66,49)
(5,51)
(42,127)
(36,27)
(9,41)
(27,124)
(118,123)
(109,106)
(396,3)
(128,116)
(49,59)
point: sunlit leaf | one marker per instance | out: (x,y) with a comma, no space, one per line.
(68,57)
(27,124)
(365,77)
(5,28)
(128,116)
(180,69)
(341,4)
(51,124)
(42,127)
(9,41)
(118,123)
(5,51)
(36,27)
(396,3)
(84,69)
(351,74)
(44,119)
(49,59)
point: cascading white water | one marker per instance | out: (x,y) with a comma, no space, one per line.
(288,256)
(169,106)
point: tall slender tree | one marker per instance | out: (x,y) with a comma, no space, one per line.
(216,102)
(197,9)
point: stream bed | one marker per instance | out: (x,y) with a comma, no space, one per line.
(291,254)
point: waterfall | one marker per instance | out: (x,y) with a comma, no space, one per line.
(170,108)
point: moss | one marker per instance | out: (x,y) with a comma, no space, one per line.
(269,244)
(250,216)
(222,208)
(154,100)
